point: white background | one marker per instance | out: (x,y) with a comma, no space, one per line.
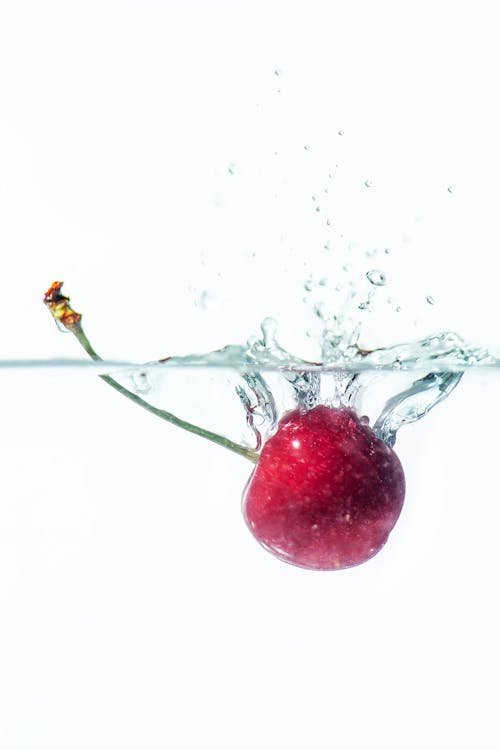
(162,158)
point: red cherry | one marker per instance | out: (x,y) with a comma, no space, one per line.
(326,491)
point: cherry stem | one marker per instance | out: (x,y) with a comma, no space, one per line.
(79,333)
(66,317)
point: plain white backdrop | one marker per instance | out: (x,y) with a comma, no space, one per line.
(166,160)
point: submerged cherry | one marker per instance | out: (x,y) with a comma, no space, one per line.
(326,491)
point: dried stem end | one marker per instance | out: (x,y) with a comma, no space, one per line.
(60,308)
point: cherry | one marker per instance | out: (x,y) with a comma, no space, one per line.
(326,491)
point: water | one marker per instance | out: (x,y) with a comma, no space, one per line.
(240,392)
(392,386)
(236,395)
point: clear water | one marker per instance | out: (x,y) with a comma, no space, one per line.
(241,392)
(391,387)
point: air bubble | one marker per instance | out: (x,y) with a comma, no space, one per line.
(368,183)
(141,382)
(450,188)
(429,299)
(232,168)
(341,132)
(377,278)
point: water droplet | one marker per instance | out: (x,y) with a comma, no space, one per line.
(232,168)
(207,300)
(319,310)
(269,328)
(253,341)
(341,132)
(375,277)
(450,188)
(430,299)
(368,183)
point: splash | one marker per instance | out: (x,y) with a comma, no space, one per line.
(269,381)
(264,381)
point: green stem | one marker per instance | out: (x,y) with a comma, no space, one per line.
(77,330)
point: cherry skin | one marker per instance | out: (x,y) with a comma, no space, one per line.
(326,491)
